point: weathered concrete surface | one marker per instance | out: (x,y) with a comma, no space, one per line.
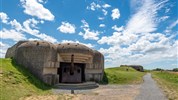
(149,90)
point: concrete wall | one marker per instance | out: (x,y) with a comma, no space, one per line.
(11,51)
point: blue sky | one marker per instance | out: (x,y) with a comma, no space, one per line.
(142,32)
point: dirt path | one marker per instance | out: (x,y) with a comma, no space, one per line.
(149,90)
(145,91)
(105,92)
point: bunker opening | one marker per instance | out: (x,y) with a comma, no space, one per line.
(67,74)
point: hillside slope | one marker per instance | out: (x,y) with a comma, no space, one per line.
(122,75)
(17,82)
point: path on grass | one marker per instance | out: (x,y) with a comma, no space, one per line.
(149,90)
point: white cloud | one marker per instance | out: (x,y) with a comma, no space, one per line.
(115,14)
(118,29)
(2,44)
(12,34)
(29,26)
(70,41)
(16,25)
(4,17)
(170,27)
(144,20)
(88,34)
(173,24)
(93,6)
(136,43)
(104,12)
(3,49)
(91,35)
(101,18)
(106,6)
(163,18)
(85,24)
(34,8)
(32,39)
(102,25)
(31,23)
(66,27)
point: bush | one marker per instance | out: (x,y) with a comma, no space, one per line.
(175,70)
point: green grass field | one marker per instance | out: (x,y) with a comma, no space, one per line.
(120,75)
(16,82)
(168,82)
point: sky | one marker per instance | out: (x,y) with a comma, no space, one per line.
(126,32)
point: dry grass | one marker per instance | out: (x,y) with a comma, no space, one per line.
(168,82)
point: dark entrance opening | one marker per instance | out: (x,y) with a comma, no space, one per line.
(65,76)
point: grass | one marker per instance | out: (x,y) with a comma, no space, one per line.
(17,82)
(120,75)
(168,82)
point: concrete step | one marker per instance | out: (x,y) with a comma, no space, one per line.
(78,86)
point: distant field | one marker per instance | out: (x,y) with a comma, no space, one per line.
(169,82)
(120,75)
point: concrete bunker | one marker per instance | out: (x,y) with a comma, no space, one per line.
(59,63)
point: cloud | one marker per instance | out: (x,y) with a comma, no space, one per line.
(12,34)
(145,18)
(170,27)
(115,14)
(163,18)
(4,18)
(66,27)
(31,23)
(70,41)
(98,7)
(106,6)
(3,49)
(102,25)
(93,6)
(104,12)
(88,34)
(101,18)
(34,8)
(137,43)
(118,29)
(17,30)
(16,25)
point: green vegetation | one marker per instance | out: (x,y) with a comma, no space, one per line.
(122,75)
(169,82)
(17,82)
(175,69)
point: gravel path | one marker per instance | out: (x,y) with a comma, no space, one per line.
(149,90)
(104,92)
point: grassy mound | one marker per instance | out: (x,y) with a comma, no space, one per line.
(16,82)
(122,75)
(169,82)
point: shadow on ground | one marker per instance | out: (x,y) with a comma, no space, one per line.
(104,80)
